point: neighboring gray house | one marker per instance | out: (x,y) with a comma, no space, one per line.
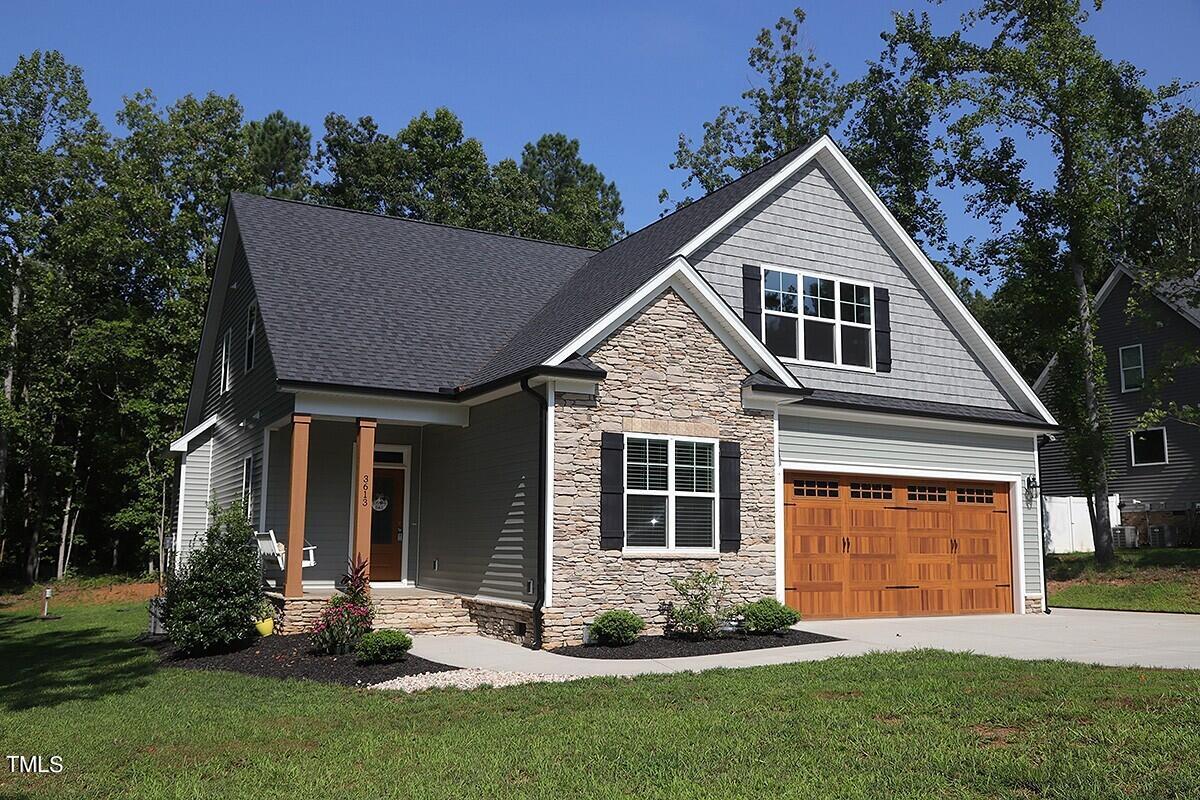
(1155,472)
(773,383)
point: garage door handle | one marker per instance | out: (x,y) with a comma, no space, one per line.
(845,545)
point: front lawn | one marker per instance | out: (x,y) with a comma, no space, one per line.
(918,724)
(1159,579)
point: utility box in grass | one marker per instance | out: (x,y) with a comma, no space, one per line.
(157,628)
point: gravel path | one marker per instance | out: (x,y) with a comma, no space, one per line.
(468,679)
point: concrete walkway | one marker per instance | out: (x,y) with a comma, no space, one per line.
(1116,638)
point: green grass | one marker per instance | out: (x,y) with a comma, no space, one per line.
(920,725)
(1162,579)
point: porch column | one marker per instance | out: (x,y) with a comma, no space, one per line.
(297,497)
(364,477)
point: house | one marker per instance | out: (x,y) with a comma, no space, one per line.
(1155,472)
(772,382)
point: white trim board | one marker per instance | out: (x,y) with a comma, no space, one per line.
(864,199)
(795,407)
(701,298)
(180,445)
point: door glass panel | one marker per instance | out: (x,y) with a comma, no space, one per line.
(383,512)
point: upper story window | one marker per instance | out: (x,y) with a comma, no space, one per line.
(670,493)
(226,378)
(1133,372)
(251,318)
(813,319)
(1148,447)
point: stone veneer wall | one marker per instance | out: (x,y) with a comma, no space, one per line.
(667,374)
(441,615)
(1033,605)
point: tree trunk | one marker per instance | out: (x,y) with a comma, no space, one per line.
(1098,502)
(66,517)
(9,369)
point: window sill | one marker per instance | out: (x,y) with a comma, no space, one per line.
(668,555)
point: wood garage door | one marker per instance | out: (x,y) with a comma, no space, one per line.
(862,546)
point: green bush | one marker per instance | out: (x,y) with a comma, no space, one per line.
(616,628)
(382,647)
(212,601)
(767,615)
(701,611)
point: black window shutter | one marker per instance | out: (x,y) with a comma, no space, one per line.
(612,491)
(752,299)
(731,497)
(883,331)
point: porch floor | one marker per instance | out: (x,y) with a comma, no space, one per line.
(377,593)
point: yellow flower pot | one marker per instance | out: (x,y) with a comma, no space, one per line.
(265,627)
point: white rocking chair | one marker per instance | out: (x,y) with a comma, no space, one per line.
(269,547)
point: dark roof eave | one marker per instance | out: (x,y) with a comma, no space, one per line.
(804,395)
(449,395)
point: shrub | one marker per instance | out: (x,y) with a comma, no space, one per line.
(767,615)
(701,611)
(347,617)
(616,628)
(212,601)
(382,647)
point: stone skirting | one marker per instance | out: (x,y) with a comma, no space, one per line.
(1033,605)
(429,614)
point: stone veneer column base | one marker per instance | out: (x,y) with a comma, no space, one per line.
(1033,605)
(432,615)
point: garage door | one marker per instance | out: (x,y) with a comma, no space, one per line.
(862,546)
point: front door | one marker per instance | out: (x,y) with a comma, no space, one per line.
(387,525)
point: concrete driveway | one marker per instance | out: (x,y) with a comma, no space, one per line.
(1116,638)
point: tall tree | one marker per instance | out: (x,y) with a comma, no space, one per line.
(797,99)
(47,137)
(1035,74)
(575,203)
(280,153)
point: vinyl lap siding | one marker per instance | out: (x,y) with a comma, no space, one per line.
(252,401)
(193,521)
(808,224)
(479,517)
(842,443)
(1174,484)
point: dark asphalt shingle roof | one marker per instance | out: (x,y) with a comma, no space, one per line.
(361,300)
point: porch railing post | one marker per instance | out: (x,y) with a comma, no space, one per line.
(364,477)
(293,584)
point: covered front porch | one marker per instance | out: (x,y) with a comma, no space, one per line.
(438,499)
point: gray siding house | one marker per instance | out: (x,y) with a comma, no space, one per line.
(1155,472)
(772,383)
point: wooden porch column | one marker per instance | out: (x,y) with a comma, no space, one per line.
(297,497)
(364,477)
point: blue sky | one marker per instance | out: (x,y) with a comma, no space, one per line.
(624,77)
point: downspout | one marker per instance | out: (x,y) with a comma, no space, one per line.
(539,573)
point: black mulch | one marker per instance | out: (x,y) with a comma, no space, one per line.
(293,657)
(663,647)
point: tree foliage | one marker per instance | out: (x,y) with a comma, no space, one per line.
(108,245)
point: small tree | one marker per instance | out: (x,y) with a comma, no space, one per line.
(211,602)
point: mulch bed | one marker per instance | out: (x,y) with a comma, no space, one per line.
(662,647)
(293,657)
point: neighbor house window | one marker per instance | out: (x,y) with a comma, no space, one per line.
(226,379)
(248,484)
(818,320)
(1133,373)
(1148,447)
(670,493)
(251,317)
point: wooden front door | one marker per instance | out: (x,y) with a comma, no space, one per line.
(859,546)
(387,525)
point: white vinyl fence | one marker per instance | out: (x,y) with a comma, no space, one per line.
(1068,526)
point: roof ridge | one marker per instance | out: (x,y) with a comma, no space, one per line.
(328,207)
